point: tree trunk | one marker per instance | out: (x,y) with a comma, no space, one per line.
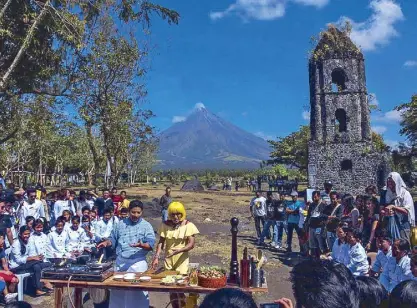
(90,139)
(28,39)
(4,9)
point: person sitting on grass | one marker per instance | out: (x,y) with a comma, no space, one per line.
(6,276)
(358,260)
(384,253)
(397,268)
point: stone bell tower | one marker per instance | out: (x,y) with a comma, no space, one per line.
(340,149)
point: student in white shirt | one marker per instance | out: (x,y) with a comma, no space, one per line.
(29,222)
(58,240)
(38,241)
(358,260)
(384,253)
(105,226)
(31,207)
(63,204)
(94,219)
(258,211)
(397,269)
(21,262)
(76,236)
(340,250)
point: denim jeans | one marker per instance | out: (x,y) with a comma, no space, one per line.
(259,221)
(278,231)
(331,238)
(291,227)
(164,215)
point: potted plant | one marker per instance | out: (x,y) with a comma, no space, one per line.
(212,277)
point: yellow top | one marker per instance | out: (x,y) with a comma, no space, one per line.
(177,238)
(124,204)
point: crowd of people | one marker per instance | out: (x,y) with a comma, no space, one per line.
(369,235)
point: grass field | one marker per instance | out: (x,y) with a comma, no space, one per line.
(211,212)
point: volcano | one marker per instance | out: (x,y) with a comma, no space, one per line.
(206,141)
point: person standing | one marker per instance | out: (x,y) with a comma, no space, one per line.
(133,238)
(31,207)
(293,218)
(63,204)
(164,202)
(400,205)
(258,212)
(333,212)
(316,226)
(272,207)
(177,235)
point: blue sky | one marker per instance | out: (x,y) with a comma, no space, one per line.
(246,60)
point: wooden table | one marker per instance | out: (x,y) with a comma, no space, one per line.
(152,286)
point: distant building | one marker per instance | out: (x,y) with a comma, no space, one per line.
(340,149)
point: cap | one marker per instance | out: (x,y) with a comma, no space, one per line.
(294,194)
(328,183)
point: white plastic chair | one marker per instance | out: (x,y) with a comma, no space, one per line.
(21,284)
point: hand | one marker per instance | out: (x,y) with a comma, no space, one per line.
(155,263)
(87,249)
(137,245)
(41,257)
(102,245)
(285,303)
(174,251)
(368,247)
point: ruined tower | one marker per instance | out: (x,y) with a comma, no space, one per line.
(340,149)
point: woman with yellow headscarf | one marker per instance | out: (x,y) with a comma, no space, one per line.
(177,236)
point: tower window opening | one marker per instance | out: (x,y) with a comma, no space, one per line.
(339,80)
(346,165)
(341,120)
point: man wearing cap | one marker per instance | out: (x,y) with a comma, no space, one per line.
(293,213)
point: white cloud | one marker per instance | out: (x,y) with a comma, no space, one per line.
(306,115)
(262,9)
(392,116)
(199,106)
(379,129)
(378,30)
(410,63)
(264,136)
(178,119)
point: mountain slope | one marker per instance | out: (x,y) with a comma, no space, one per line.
(205,140)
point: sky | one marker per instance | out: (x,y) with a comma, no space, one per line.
(246,60)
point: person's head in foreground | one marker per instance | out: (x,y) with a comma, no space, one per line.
(228,298)
(322,284)
(176,212)
(372,293)
(18,304)
(404,295)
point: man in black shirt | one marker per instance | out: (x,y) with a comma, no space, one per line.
(164,202)
(5,222)
(275,216)
(315,222)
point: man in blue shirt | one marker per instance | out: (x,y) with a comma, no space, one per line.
(293,218)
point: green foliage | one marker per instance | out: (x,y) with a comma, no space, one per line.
(409,120)
(292,149)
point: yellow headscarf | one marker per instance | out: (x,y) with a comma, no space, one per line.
(177,207)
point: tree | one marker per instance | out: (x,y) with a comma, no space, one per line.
(291,150)
(409,120)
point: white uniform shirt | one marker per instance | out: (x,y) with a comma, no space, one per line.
(76,239)
(340,253)
(16,257)
(35,209)
(394,273)
(37,245)
(57,244)
(358,260)
(380,260)
(104,229)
